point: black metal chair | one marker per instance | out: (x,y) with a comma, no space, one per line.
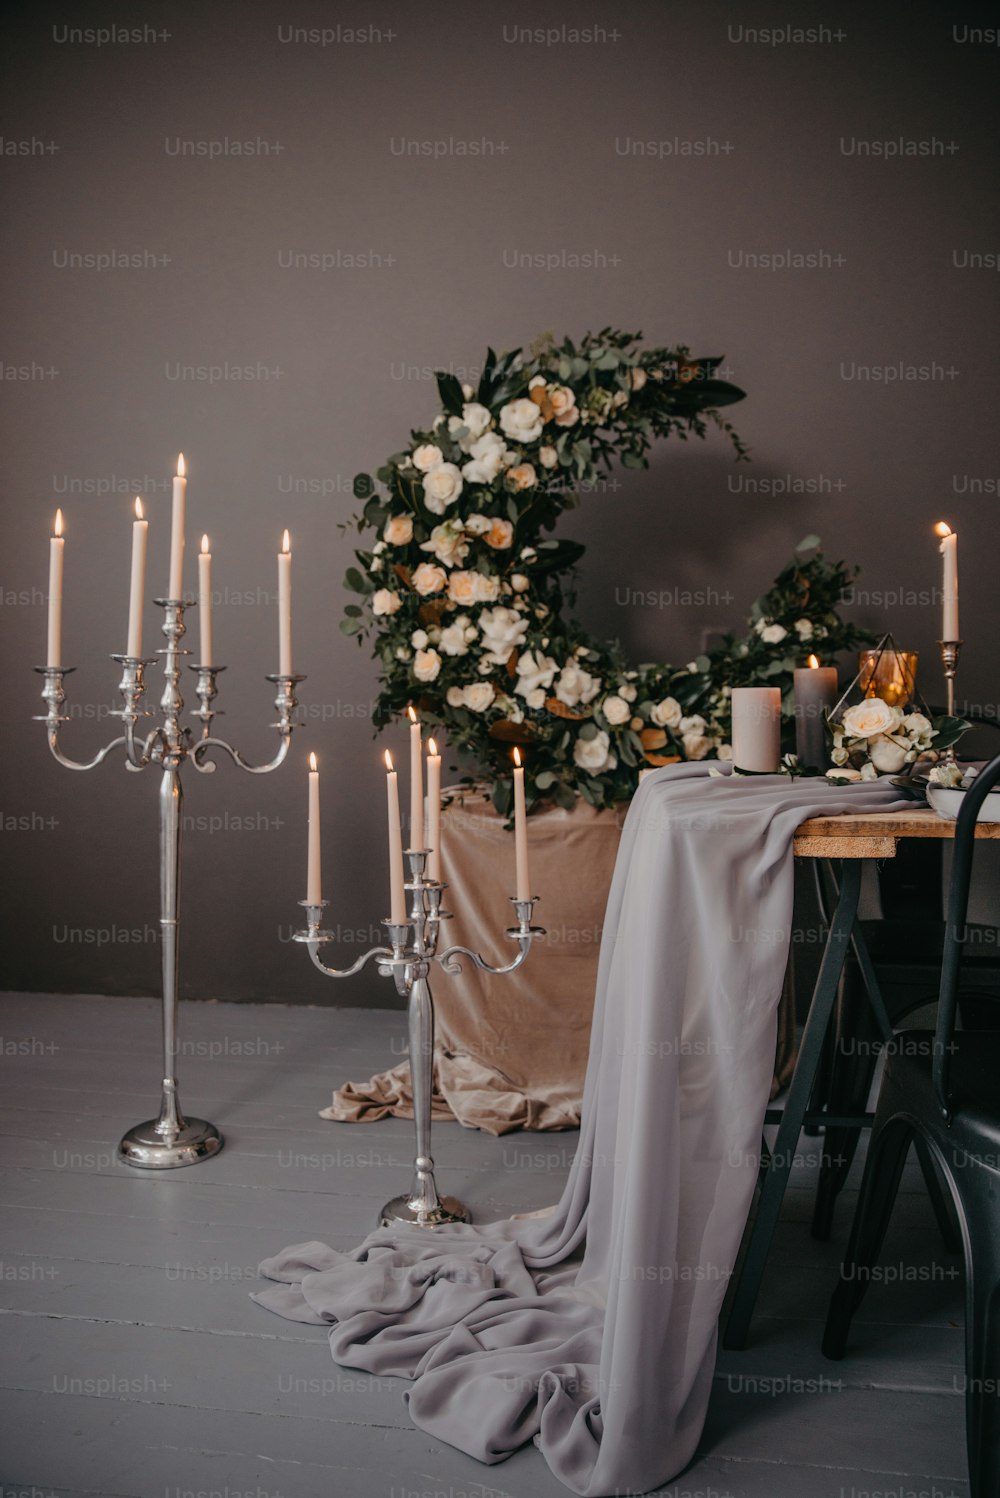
(943,1089)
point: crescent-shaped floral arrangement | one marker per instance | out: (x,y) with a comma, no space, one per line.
(465,593)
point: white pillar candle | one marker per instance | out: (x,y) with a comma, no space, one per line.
(815,695)
(206,651)
(522,880)
(756,728)
(433,810)
(949,582)
(397,894)
(137,581)
(314,886)
(56,550)
(175,585)
(285,607)
(416,782)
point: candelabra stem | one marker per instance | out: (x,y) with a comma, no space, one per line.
(170,1140)
(423,1206)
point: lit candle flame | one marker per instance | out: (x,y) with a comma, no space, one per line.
(286,544)
(388,760)
(813,663)
(312,761)
(412,714)
(432,748)
(204,545)
(942,528)
(138,508)
(58,527)
(181,469)
(517,757)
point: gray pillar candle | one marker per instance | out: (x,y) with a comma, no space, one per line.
(756,729)
(816,693)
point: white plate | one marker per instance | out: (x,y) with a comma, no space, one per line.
(947,802)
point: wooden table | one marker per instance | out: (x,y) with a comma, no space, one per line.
(851,840)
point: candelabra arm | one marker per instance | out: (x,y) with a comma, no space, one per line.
(54,697)
(315,937)
(75,764)
(523,933)
(285,701)
(376,953)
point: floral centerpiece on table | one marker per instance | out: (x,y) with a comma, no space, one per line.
(873,738)
(463,587)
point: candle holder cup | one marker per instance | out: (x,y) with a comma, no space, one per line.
(411,952)
(171,1139)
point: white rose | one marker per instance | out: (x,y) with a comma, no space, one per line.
(478,696)
(478,524)
(666,714)
(535,698)
(521,421)
(385,601)
(917,726)
(486,457)
(696,745)
(503,630)
(452,640)
(548,457)
(887,756)
(428,579)
(455,697)
(427,456)
(419,639)
(442,486)
(535,381)
(616,709)
(872,716)
(576,686)
(426,665)
(398,530)
(563,405)
(843,773)
(627,692)
(447,542)
(773,634)
(804,629)
(477,418)
(519,582)
(535,671)
(594,755)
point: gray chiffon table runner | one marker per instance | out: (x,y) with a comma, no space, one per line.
(592,1329)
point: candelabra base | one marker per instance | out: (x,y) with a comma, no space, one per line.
(403,1209)
(149,1147)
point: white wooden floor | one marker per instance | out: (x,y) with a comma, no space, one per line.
(134,1363)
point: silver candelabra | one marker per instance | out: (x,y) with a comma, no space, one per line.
(408,959)
(170,1139)
(950,650)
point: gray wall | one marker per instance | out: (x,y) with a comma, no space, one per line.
(343,358)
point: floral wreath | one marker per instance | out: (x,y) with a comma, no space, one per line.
(463,589)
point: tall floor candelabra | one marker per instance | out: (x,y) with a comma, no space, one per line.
(170,1139)
(408,959)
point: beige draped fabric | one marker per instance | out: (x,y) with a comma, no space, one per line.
(511,1052)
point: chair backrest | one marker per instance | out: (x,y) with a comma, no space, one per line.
(954,936)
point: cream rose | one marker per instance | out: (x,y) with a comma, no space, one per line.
(548,456)
(385,601)
(666,714)
(426,665)
(448,543)
(452,640)
(427,456)
(474,418)
(477,696)
(486,457)
(398,530)
(872,716)
(521,421)
(429,579)
(519,582)
(563,403)
(455,697)
(442,486)
(473,587)
(637,377)
(594,755)
(887,756)
(500,535)
(616,709)
(772,634)
(804,629)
